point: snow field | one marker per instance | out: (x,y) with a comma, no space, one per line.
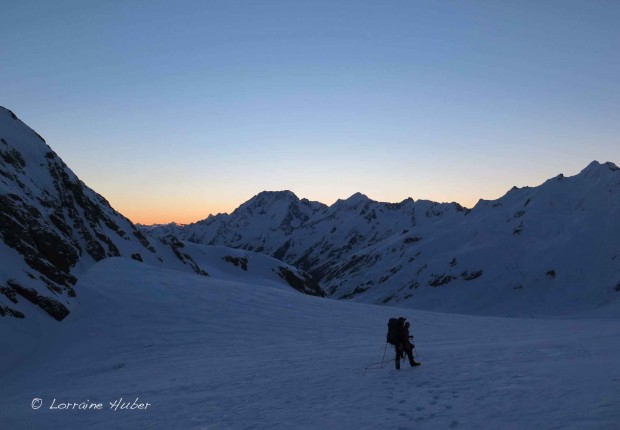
(216,354)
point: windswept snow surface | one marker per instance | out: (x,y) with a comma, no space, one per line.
(209,353)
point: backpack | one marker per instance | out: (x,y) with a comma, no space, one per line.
(392,334)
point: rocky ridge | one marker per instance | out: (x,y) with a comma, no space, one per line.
(53,228)
(548,249)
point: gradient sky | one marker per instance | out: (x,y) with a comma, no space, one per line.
(173,110)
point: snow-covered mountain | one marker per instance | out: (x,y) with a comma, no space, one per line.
(53,227)
(166,333)
(550,249)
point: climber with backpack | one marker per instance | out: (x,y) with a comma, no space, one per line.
(398,335)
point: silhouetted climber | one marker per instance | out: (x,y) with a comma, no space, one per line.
(398,335)
(408,344)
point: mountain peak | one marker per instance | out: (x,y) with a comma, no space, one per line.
(595,167)
(9,112)
(284,194)
(266,199)
(352,202)
(354,199)
(357,197)
(275,194)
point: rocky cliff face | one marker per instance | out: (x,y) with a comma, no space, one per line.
(547,249)
(53,228)
(51,224)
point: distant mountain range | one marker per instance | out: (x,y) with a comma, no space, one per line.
(53,228)
(553,249)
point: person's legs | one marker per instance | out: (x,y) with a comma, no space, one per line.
(410,354)
(398,350)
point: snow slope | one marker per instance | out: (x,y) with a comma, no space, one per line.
(53,228)
(250,267)
(208,353)
(546,250)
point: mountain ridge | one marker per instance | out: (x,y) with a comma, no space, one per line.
(406,252)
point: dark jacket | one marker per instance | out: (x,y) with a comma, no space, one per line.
(403,334)
(403,338)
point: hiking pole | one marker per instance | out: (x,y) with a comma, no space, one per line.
(383,358)
(381,364)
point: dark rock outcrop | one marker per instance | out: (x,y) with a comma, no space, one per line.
(52,225)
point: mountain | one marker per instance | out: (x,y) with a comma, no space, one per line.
(53,228)
(309,234)
(279,214)
(551,249)
(205,336)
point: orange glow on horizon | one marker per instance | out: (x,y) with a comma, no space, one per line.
(158,213)
(149,214)
(148,217)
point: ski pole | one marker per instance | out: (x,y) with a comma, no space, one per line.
(382,362)
(383,358)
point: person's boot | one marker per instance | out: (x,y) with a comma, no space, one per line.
(397,362)
(415,363)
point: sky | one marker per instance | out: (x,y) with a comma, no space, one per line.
(173,110)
